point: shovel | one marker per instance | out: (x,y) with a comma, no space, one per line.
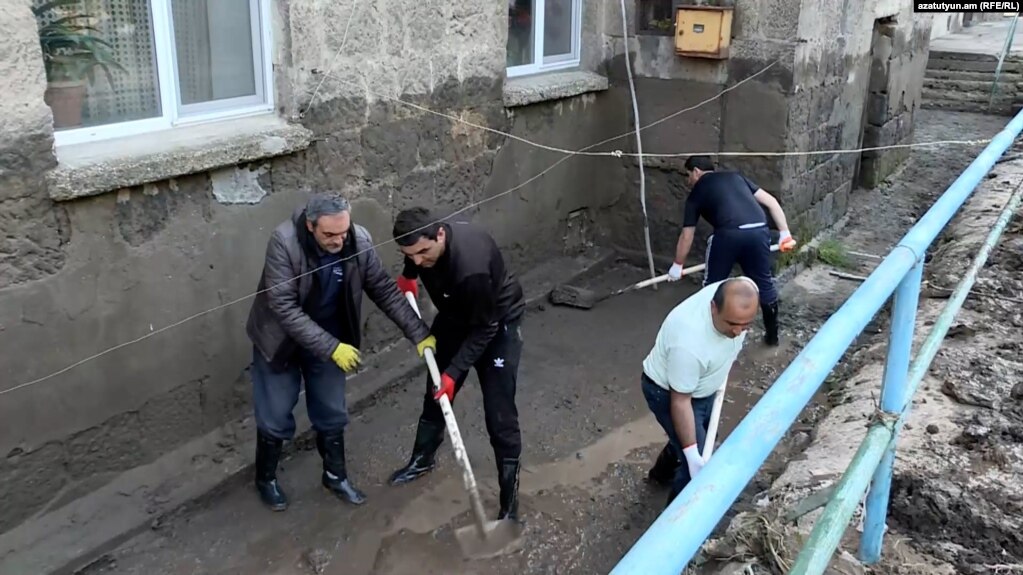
(484,538)
(572,296)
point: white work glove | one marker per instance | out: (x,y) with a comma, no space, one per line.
(694,459)
(675,273)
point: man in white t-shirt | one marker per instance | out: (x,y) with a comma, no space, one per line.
(692,356)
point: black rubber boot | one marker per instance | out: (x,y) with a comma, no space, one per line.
(663,471)
(770,323)
(508,480)
(429,437)
(268,453)
(335,474)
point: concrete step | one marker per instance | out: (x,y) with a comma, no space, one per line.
(979,96)
(971,86)
(1006,76)
(961,106)
(936,62)
(962,56)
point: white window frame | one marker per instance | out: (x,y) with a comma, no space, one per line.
(173,113)
(543,63)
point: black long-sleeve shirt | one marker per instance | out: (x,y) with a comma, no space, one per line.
(473,290)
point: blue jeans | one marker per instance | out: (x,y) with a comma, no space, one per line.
(275,394)
(659,401)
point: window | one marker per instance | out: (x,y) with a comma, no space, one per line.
(655,17)
(543,35)
(125,67)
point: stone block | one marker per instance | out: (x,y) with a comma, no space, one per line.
(799,193)
(387,147)
(892,132)
(874,169)
(754,118)
(36,232)
(827,178)
(877,108)
(765,171)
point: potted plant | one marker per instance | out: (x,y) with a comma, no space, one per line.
(72,49)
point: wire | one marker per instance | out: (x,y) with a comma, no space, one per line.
(639,140)
(330,68)
(620,154)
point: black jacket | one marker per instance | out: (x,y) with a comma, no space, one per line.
(278,322)
(473,290)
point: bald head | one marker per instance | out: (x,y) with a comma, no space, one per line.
(735,305)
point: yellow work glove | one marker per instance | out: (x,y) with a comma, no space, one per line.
(346,357)
(429,343)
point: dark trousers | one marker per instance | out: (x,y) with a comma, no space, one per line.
(497,369)
(751,249)
(275,394)
(659,401)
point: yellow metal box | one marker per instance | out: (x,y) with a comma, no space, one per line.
(703,31)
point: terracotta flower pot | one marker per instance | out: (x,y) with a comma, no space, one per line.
(65,100)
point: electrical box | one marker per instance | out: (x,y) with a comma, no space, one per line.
(703,31)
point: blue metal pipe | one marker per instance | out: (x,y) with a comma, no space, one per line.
(679,532)
(893,397)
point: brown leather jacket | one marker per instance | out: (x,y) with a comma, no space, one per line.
(278,324)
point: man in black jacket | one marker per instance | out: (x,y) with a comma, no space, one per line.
(305,325)
(480,307)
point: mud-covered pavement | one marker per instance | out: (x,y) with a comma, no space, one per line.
(588,437)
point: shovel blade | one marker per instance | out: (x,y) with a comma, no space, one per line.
(499,538)
(572,296)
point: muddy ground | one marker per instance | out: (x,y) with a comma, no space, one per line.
(588,436)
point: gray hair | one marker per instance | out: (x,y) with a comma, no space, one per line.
(325,205)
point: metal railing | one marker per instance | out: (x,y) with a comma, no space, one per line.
(675,537)
(1006,48)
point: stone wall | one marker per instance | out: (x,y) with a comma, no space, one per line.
(79,276)
(898,65)
(751,117)
(812,98)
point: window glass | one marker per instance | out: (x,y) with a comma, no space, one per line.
(558,28)
(213,41)
(520,32)
(100,61)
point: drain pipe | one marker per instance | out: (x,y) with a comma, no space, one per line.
(639,143)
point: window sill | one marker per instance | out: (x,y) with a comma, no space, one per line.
(525,90)
(94,168)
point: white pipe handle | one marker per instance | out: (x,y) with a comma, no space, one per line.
(458,446)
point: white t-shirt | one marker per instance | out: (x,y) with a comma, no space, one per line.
(690,355)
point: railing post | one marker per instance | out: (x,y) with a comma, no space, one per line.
(893,399)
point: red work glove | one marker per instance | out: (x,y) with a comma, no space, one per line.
(407,285)
(447,387)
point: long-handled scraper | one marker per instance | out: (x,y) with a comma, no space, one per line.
(573,296)
(484,538)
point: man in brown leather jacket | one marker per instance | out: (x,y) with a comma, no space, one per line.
(305,325)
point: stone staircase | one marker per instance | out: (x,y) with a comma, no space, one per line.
(962,82)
